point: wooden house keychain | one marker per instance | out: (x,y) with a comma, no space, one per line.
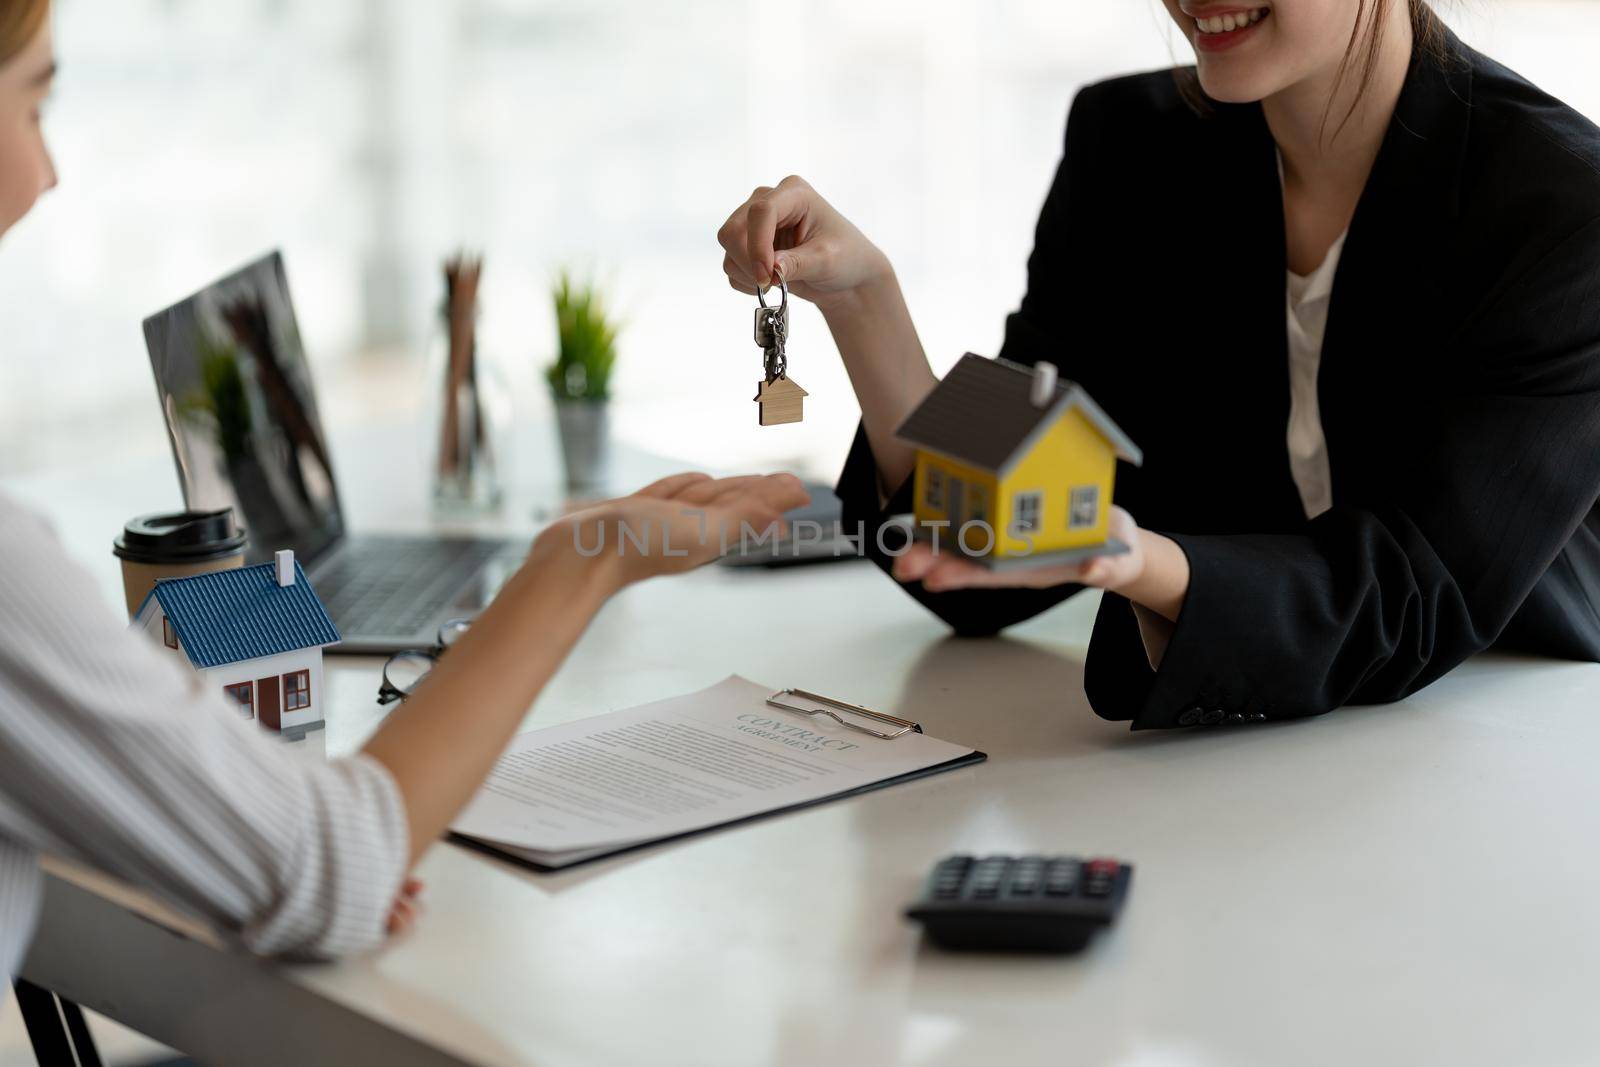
(779,398)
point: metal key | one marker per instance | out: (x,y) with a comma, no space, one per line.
(770,323)
(772,331)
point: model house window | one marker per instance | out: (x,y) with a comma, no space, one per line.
(1025,509)
(934,495)
(169,636)
(297,691)
(244,695)
(980,510)
(1084,509)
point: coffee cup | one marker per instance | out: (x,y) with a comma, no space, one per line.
(176,545)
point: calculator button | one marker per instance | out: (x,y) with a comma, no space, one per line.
(1026,884)
(1099,874)
(1061,879)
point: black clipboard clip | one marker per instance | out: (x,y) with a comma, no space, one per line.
(904,726)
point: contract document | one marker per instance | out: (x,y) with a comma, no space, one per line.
(585,789)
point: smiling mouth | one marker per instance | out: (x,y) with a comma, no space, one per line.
(1233,20)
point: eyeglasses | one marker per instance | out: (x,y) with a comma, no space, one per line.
(405,670)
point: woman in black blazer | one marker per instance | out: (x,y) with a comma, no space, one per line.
(1352,502)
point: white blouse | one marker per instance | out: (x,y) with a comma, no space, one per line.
(1306,298)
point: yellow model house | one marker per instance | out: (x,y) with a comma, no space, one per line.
(1020,464)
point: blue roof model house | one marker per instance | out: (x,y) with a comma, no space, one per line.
(257,633)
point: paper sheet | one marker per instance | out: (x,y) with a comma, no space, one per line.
(666,768)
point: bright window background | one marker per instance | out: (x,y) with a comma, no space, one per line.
(368,139)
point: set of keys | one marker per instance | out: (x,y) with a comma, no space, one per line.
(779,397)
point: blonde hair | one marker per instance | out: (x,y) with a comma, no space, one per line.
(19,22)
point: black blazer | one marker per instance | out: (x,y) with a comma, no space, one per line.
(1459,393)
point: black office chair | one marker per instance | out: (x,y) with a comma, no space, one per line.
(58,1031)
(56,1027)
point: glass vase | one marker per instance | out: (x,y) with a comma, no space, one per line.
(468,420)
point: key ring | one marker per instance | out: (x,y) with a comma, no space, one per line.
(783,308)
(780,397)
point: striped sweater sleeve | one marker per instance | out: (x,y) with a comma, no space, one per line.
(112,754)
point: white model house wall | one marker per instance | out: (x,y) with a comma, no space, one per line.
(253,670)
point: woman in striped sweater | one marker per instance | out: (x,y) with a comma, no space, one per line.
(111,755)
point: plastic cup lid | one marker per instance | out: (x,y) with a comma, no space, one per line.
(180,537)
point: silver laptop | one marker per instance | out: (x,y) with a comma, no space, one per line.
(242,416)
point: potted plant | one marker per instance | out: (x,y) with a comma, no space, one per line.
(580,381)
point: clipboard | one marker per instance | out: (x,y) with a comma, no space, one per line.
(488,849)
(898,727)
(901,726)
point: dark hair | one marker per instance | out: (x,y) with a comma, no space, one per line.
(1362,56)
(19,21)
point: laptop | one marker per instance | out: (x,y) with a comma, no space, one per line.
(241,414)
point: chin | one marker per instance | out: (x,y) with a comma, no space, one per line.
(1235,87)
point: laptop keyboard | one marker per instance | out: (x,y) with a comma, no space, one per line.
(398,585)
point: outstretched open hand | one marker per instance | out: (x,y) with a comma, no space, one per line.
(675,524)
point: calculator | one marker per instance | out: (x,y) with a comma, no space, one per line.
(1020,903)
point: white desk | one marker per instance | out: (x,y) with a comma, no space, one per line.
(1387,885)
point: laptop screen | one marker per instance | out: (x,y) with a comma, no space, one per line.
(241,413)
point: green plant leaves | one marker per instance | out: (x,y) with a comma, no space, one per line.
(587,342)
